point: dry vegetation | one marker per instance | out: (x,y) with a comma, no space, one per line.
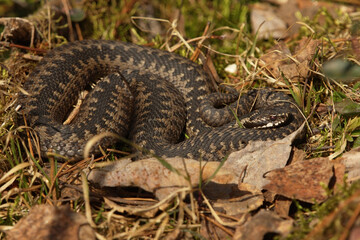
(329,103)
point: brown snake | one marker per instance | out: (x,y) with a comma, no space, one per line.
(149,96)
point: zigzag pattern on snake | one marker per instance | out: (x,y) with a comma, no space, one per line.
(147,95)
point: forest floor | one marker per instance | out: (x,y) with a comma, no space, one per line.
(284,189)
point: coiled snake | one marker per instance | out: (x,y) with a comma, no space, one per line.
(147,95)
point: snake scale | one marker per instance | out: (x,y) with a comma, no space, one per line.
(151,97)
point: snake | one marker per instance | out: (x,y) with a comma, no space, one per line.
(159,101)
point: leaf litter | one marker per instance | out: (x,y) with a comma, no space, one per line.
(230,203)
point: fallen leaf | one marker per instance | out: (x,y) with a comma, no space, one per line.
(302,180)
(257,158)
(234,206)
(138,210)
(347,107)
(265,23)
(323,109)
(294,67)
(46,222)
(339,172)
(151,175)
(297,155)
(282,206)
(352,164)
(17,29)
(264,222)
(269,196)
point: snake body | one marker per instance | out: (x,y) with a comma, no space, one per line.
(147,95)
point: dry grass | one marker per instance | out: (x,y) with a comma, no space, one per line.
(27,180)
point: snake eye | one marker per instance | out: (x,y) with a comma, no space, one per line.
(273,117)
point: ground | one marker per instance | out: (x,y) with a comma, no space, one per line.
(308,49)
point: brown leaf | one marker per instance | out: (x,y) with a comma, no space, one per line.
(265,23)
(297,155)
(46,222)
(262,223)
(279,62)
(352,163)
(339,172)
(147,211)
(282,206)
(151,175)
(243,204)
(257,158)
(302,180)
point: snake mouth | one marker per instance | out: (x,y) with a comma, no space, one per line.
(267,121)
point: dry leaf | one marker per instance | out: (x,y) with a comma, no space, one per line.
(257,158)
(352,163)
(293,67)
(282,206)
(46,222)
(339,172)
(302,180)
(151,175)
(265,23)
(243,204)
(297,155)
(143,211)
(262,223)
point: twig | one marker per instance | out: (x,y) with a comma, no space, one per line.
(197,51)
(328,219)
(350,223)
(68,18)
(6,44)
(218,225)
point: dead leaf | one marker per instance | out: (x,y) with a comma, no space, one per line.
(264,222)
(352,164)
(297,155)
(257,158)
(265,23)
(46,222)
(282,206)
(269,196)
(143,211)
(348,107)
(247,166)
(339,172)
(302,180)
(234,206)
(151,175)
(294,67)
